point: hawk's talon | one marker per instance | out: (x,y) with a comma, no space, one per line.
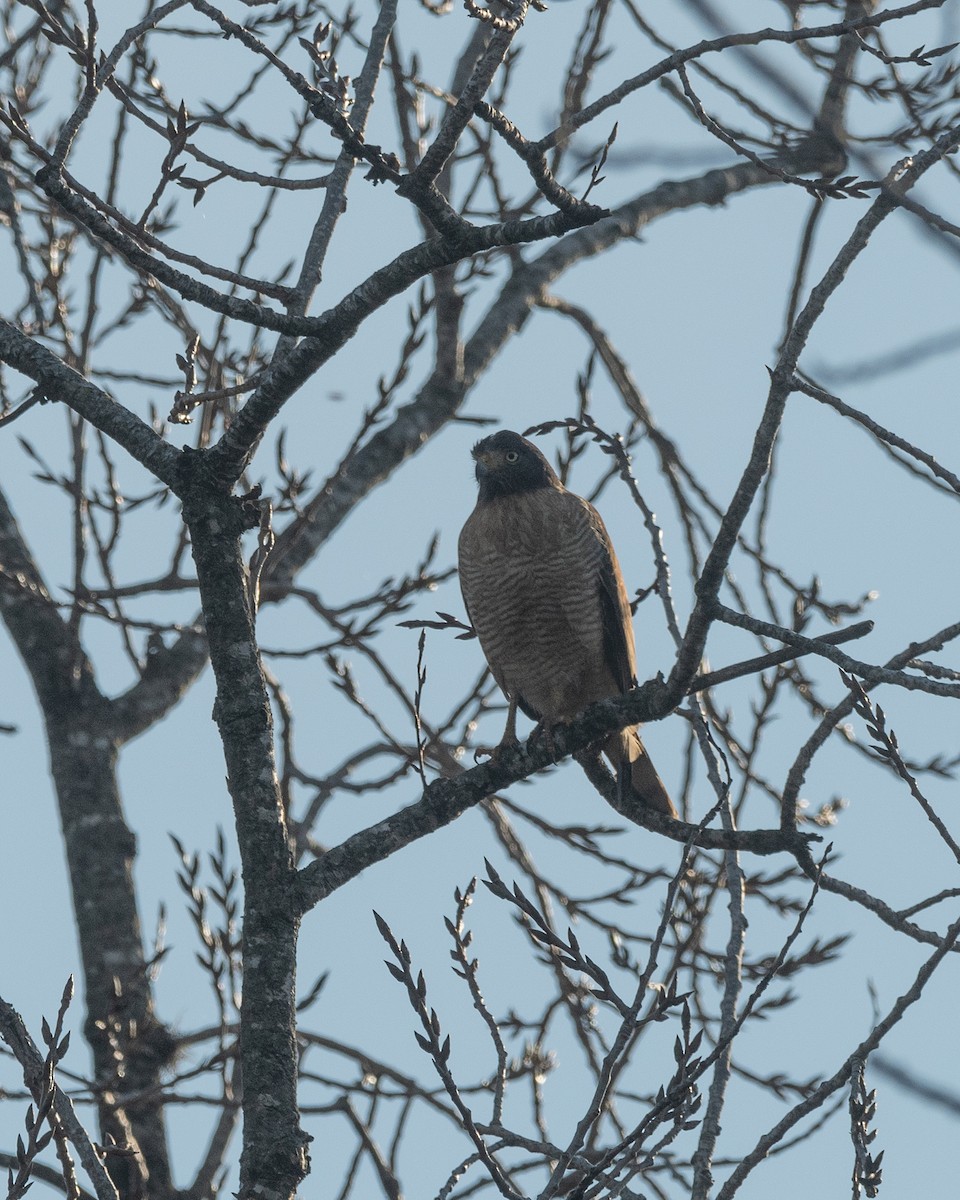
(543,732)
(495,753)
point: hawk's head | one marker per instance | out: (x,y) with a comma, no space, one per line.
(507,463)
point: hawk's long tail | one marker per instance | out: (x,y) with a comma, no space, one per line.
(636,773)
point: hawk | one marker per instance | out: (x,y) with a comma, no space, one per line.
(545,594)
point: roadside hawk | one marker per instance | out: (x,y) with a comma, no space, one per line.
(544,592)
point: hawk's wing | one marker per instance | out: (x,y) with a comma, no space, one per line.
(618,648)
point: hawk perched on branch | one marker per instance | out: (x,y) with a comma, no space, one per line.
(544,592)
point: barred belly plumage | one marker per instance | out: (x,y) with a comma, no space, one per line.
(532,589)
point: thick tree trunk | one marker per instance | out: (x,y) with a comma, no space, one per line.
(130,1046)
(274,1159)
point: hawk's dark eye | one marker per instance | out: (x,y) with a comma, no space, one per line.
(511,456)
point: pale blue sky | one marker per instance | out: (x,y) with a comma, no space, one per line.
(696,307)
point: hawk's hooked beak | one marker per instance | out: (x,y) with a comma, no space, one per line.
(484,461)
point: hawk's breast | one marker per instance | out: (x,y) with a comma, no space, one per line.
(530,574)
